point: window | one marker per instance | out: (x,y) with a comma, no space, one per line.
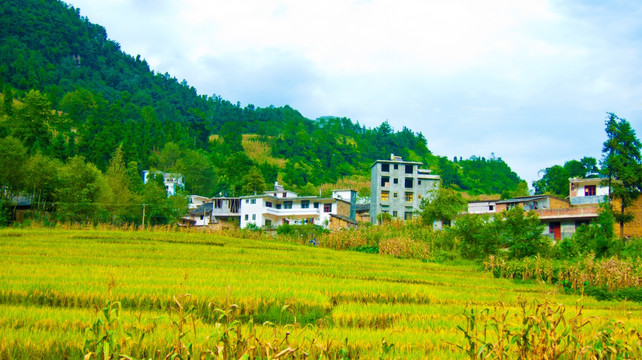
(385,167)
(316,205)
(396,166)
(287,205)
(589,190)
(385,181)
(396,181)
(253,216)
(247,217)
(278,206)
(491,207)
(407,215)
(385,195)
(410,169)
(327,208)
(268,222)
(409,196)
(418,182)
(285,194)
(419,196)
(252,201)
(268,204)
(394,213)
(408,183)
(305,204)
(394,195)
(247,201)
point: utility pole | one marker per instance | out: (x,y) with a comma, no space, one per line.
(144,215)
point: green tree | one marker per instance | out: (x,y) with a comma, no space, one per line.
(123,202)
(160,209)
(81,192)
(32,120)
(555,178)
(443,205)
(78,105)
(621,163)
(198,172)
(521,232)
(41,178)
(596,238)
(12,159)
(477,236)
(253,182)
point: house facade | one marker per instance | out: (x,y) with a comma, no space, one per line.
(218,212)
(482,207)
(278,207)
(397,187)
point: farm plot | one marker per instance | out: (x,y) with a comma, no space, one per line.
(178,289)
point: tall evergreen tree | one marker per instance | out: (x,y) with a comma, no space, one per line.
(621,163)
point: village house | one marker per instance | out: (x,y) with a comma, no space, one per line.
(217,212)
(561,220)
(277,207)
(563,217)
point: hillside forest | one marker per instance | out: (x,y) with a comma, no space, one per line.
(74,105)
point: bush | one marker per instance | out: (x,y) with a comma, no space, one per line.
(522,233)
(477,236)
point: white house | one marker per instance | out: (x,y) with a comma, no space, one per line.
(173,182)
(278,207)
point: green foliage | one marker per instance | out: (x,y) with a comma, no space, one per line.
(477,236)
(12,158)
(253,182)
(105,337)
(442,205)
(81,190)
(597,238)
(555,178)
(622,164)
(521,233)
(159,208)
(305,232)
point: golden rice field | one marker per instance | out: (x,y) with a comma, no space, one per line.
(184,292)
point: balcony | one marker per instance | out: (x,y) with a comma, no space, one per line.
(568,213)
(292,212)
(585,200)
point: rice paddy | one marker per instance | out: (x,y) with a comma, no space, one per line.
(313,301)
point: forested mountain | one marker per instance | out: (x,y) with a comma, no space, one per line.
(69,91)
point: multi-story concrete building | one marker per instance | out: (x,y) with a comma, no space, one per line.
(397,187)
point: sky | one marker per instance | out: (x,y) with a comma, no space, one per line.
(530,81)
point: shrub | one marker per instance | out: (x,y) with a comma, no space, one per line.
(521,232)
(477,236)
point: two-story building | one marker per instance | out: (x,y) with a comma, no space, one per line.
(279,206)
(397,187)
